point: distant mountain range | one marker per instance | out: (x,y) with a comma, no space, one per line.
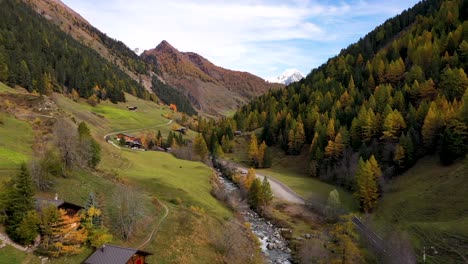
(211,89)
(288,77)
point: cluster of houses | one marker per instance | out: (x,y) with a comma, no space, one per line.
(130,141)
(107,254)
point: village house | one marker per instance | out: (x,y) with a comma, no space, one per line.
(130,141)
(109,254)
(70,208)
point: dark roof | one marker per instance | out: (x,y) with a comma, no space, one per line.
(40,203)
(109,254)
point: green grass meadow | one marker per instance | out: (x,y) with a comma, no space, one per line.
(429,203)
(16,142)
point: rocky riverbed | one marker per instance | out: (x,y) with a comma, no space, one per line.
(274,246)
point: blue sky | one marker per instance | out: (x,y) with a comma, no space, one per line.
(258,36)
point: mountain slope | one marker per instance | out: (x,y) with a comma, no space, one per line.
(40,57)
(288,77)
(211,89)
(399,94)
(81,30)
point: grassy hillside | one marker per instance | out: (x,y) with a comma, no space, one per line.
(183,186)
(429,202)
(9,254)
(15,144)
(178,183)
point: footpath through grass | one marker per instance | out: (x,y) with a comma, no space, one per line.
(429,202)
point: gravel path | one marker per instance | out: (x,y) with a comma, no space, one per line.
(279,189)
(6,240)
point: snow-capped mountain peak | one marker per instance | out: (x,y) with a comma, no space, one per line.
(289,76)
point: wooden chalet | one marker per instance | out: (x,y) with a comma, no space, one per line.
(132,108)
(130,141)
(109,254)
(70,208)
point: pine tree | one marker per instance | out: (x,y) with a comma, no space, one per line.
(254,193)
(267,158)
(19,204)
(266,195)
(91,202)
(28,228)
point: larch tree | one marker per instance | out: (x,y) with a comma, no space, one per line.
(399,156)
(367,189)
(253,150)
(261,155)
(393,124)
(199,146)
(67,235)
(249,178)
(433,122)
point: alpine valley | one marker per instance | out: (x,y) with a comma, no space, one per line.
(107,156)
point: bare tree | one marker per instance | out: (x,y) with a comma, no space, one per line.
(126,210)
(234,243)
(66,138)
(184,152)
(44,167)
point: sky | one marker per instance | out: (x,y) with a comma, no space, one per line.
(263,37)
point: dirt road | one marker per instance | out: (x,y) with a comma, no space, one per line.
(280,190)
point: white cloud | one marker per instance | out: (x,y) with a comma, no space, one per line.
(245,35)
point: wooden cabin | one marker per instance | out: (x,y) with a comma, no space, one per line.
(70,208)
(109,254)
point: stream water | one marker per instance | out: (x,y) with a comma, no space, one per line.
(274,246)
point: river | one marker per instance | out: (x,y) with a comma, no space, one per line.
(273,245)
